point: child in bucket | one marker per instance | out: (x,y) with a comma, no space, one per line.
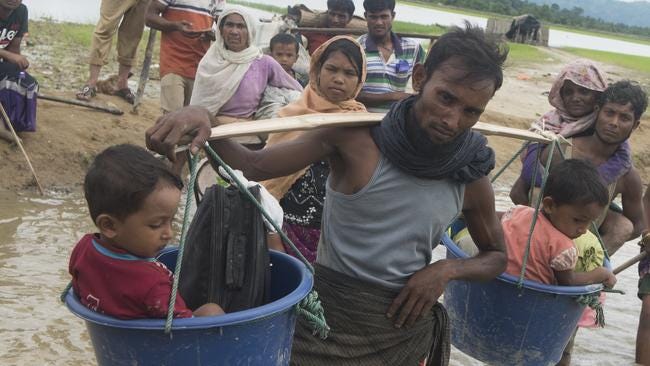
(132,198)
(574,196)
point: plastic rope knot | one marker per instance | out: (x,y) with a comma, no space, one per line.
(592,300)
(312,310)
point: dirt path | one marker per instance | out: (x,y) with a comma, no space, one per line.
(68,137)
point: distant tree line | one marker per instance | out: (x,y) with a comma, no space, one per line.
(570,17)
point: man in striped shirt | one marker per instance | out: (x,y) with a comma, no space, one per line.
(390,59)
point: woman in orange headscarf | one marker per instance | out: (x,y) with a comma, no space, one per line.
(337,73)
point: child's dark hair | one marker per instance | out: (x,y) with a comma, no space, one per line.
(375,6)
(623,92)
(349,49)
(576,181)
(482,56)
(120,179)
(341,5)
(284,38)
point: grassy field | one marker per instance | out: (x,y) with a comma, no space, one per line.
(524,53)
(589,32)
(637,63)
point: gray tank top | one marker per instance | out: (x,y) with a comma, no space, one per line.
(386,232)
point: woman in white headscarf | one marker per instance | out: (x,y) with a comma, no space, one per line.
(233,74)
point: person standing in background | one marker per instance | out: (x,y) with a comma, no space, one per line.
(390,58)
(127,18)
(186,27)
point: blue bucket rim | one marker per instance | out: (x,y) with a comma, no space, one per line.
(531,285)
(238,317)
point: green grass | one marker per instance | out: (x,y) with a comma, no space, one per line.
(525,53)
(77,34)
(638,63)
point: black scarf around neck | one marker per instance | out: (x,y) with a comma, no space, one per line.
(464,159)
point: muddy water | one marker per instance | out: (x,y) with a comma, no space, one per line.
(37,235)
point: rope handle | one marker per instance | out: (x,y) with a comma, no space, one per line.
(181,246)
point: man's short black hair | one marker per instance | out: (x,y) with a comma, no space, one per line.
(284,38)
(341,5)
(623,92)
(482,56)
(375,6)
(120,179)
(576,182)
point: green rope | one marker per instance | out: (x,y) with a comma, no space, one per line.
(514,157)
(312,306)
(593,302)
(65,292)
(311,309)
(181,246)
(538,201)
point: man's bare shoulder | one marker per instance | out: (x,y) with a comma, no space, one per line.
(630,183)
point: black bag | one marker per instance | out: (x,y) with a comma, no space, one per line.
(226,258)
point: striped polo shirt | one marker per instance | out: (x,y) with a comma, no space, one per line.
(393,75)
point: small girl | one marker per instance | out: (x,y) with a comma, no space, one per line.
(337,73)
(574,196)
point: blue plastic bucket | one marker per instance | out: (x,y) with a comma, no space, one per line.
(501,324)
(258,336)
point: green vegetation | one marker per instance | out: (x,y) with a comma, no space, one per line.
(525,53)
(638,63)
(78,34)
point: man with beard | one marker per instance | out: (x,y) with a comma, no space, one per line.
(392,191)
(620,108)
(390,59)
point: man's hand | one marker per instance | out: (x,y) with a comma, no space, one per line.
(610,281)
(190,122)
(185,27)
(17,59)
(419,295)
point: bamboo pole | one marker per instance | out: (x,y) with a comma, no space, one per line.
(322,120)
(144,73)
(111,110)
(629,262)
(20,145)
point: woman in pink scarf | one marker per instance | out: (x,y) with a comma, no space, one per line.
(574,95)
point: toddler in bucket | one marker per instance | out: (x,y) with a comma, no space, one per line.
(132,198)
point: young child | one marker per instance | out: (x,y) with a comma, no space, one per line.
(574,196)
(132,198)
(284,49)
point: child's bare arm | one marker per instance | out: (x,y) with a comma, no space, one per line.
(209,309)
(598,275)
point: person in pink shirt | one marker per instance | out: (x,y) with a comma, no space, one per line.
(574,196)
(132,198)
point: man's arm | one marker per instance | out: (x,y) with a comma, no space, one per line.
(156,21)
(193,123)
(632,199)
(371,99)
(425,286)
(11,53)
